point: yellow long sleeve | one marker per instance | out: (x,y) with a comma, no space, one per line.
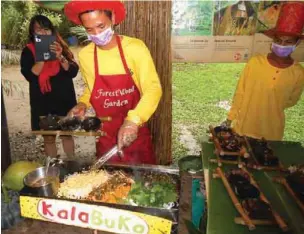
(296,93)
(238,94)
(148,84)
(141,66)
(262,94)
(85,97)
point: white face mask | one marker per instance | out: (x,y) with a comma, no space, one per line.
(102,38)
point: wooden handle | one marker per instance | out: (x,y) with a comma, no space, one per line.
(276,216)
(235,201)
(106,118)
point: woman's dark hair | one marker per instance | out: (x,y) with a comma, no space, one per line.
(43,22)
(46,23)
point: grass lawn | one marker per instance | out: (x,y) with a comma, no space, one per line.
(198,88)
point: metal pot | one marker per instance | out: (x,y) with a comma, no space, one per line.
(41,183)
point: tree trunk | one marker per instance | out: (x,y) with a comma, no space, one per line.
(5,145)
(150,21)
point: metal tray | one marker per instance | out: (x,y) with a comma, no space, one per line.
(70,167)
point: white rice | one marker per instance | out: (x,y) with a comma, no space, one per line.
(79,185)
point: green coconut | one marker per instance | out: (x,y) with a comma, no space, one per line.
(15,173)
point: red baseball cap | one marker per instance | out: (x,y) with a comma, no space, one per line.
(73,8)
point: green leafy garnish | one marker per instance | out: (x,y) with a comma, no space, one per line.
(155,194)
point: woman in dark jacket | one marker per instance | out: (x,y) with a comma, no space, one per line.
(50,82)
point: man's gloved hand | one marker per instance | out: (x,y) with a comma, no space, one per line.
(226,123)
(127,134)
(79,110)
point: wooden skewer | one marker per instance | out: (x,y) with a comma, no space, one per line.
(253,166)
(218,159)
(240,220)
(69,133)
(216,141)
(235,201)
(236,154)
(266,168)
(276,216)
(290,191)
(218,148)
(102,118)
(240,165)
(212,160)
(251,151)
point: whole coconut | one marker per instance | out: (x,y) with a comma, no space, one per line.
(15,173)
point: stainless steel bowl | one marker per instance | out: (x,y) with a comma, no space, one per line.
(41,183)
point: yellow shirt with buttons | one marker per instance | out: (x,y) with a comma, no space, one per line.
(262,94)
(142,68)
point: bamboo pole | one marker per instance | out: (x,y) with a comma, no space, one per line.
(213,160)
(150,21)
(279,220)
(103,118)
(290,191)
(216,141)
(235,200)
(218,148)
(251,152)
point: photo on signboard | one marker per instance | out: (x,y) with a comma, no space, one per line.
(268,13)
(234,18)
(192,18)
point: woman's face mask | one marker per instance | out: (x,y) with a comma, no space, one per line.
(282,51)
(102,38)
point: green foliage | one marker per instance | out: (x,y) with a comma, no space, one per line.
(192,18)
(154,195)
(53,5)
(64,27)
(15,21)
(80,33)
(11,21)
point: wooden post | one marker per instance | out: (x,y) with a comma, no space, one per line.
(5,145)
(150,21)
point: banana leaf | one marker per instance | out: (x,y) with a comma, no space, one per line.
(221,211)
(52,5)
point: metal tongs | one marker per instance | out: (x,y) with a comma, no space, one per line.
(104,158)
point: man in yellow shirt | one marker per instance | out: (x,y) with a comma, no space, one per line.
(270,83)
(121,80)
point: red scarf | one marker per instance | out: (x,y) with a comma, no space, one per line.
(50,68)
